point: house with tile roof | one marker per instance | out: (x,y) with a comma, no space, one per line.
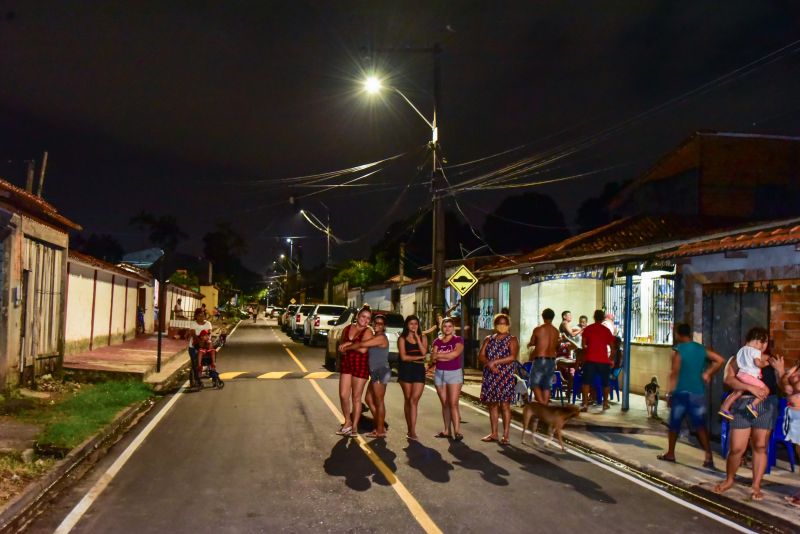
(34,239)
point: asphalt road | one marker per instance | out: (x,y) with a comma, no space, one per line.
(261,456)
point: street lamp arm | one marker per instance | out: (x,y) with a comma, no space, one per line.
(316,223)
(429,123)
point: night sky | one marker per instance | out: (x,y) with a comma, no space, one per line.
(201,109)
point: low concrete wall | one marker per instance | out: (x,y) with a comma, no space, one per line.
(648,361)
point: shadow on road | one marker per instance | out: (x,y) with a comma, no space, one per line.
(626,440)
(540,467)
(477,461)
(428,461)
(349,461)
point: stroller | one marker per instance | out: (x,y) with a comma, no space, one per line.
(207,367)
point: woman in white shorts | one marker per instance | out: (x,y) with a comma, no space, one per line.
(449,377)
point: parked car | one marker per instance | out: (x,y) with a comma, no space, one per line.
(300,316)
(394,325)
(315,330)
(275,313)
(285,316)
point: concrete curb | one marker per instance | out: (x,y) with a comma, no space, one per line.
(754,517)
(23,508)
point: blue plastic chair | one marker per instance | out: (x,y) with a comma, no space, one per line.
(614,384)
(778,437)
(577,382)
(528,367)
(557,390)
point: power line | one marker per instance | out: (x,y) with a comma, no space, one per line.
(520,167)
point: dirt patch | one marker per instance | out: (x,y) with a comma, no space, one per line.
(16,474)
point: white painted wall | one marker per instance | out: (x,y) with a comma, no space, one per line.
(111,324)
(580,296)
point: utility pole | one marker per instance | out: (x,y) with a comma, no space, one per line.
(41,175)
(437,190)
(29,177)
(328,264)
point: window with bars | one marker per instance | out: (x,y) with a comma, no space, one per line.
(652,308)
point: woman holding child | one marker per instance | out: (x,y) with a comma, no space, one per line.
(745,428)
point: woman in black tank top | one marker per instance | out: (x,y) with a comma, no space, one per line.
(412,346)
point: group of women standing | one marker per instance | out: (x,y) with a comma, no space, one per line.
(365,364)
(365,359)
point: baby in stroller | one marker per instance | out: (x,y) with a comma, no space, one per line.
(207,359)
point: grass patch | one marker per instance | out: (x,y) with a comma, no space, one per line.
(69,422)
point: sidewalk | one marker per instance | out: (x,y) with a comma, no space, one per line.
(136,357)
(635,440)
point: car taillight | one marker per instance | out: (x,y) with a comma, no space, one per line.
(297,318)
(316,320)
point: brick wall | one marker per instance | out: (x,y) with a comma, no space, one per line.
(785,320)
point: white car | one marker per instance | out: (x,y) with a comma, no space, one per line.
(297,324)
(316,325)
(394,325)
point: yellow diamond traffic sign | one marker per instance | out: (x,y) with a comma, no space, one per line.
(462,280)
(292,301)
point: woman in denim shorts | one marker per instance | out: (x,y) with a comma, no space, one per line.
(746,429)
(449,377)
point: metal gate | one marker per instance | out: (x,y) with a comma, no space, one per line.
(42,304)
(728,313)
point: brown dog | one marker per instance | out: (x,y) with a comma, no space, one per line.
(554,416)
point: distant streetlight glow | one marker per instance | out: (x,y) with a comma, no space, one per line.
(372,85)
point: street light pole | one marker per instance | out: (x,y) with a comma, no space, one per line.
(373,85)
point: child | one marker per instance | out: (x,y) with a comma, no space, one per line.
(791,421)
(207,353)
(750,359)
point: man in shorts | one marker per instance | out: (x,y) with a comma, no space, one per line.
(544,341)
(687,386)
(598,345)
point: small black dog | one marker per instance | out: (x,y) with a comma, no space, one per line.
(651,397)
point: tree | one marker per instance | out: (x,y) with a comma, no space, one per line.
(594,212)
(523,223)
(359,273)
(162,231)
(415,233)
(103,246)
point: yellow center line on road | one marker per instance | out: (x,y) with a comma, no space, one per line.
(408,499)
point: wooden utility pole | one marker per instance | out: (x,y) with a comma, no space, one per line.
(29,178)
(41,174)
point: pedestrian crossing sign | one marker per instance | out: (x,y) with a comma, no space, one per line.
(462,280)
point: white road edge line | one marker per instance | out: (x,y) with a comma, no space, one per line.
(630,478)
(76,514)
(102,483)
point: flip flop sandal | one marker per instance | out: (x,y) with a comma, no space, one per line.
(442,435)
(458,437)
(726,414)
(709,464)
(344,431)
(665,458)
(754,412)
(504,441)
(488,439)
(793,500)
